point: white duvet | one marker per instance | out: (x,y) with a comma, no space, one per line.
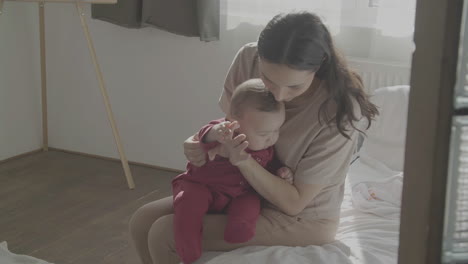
(368,231)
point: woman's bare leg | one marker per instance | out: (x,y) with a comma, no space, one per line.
(141,222)
(273,228)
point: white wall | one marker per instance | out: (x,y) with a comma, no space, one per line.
(20,105)
(162,87)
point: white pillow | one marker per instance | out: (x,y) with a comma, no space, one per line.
(385,140)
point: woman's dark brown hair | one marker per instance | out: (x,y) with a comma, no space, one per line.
(301,41)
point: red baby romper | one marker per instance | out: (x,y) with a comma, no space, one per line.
(216,187)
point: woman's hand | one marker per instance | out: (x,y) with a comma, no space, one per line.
(193,151)
(286,174)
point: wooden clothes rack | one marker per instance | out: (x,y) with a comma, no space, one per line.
(92,51)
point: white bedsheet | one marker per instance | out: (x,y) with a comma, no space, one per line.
(369,237)
(7,257)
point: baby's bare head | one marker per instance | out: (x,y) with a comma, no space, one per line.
(259,115)
(252,95)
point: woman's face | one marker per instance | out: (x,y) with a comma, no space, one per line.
(284,82)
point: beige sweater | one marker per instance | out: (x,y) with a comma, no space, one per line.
(316,153)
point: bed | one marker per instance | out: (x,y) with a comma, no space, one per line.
(370,213)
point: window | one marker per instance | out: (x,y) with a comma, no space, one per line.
(391,17)
(455,244)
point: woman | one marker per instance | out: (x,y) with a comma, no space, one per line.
(296,58)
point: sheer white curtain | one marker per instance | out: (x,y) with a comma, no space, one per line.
(395,17)
(392,17)
(376,29)
(259,12)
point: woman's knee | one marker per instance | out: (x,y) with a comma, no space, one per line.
(145,216)
(161,237)
(137,221)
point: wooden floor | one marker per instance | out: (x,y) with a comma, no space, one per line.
(67,208)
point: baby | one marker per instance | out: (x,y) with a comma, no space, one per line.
(218,186)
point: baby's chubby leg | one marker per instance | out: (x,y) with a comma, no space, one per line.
(191,202)
(242,215)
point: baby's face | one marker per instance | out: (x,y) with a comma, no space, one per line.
(261,128)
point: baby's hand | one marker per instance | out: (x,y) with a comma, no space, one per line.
(224,131)
(286,174)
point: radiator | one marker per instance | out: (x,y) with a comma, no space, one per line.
(380,74)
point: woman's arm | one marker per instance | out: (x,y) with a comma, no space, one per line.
(326,162)
(291,199)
